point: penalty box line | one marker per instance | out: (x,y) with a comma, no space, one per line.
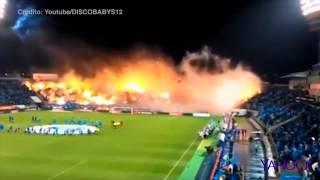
(179,160)
(67,169)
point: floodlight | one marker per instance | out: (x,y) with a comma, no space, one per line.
(3,4)
(309,7)
(311,10)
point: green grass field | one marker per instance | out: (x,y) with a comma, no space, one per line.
(147,147)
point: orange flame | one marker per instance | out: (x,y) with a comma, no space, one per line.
(156,83)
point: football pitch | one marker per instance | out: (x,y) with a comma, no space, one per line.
(146,147)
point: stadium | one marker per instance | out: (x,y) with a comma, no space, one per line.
(129,139)
(77,104)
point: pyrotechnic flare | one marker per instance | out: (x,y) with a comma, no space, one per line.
(207,83)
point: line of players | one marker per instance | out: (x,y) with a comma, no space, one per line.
(35,119)
(206,131)
(54,131)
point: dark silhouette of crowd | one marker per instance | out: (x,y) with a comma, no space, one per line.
(12,92)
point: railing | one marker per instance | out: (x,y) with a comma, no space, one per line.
(269,145)
(272,128)
(273,147)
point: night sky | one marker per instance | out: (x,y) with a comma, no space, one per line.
(271,36)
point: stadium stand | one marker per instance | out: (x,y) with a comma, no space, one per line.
(300,140)
(295,140)
(12,92)
(276,105)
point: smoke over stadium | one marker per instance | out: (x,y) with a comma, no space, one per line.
(102,90)
(147,78)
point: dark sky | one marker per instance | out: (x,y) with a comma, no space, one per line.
(271,36)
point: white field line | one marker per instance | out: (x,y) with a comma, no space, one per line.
(202,141)
(178,161)
(67,169)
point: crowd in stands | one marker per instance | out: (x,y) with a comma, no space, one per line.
(276,105)
(301,140)
(296,140)
(12,92)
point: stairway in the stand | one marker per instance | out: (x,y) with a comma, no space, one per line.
(255,169)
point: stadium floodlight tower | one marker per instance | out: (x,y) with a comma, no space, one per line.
(3,4)
(311,10)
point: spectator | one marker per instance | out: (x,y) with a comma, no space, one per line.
(296,140)
(12,92)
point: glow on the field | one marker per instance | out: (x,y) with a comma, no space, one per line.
(3,4)
(309,6)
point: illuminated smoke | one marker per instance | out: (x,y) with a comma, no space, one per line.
(201,82)
(213,84)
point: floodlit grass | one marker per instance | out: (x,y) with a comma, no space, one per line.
(146,147)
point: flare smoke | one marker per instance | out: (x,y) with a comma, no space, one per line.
(201,82)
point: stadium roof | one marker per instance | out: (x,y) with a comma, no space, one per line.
(303,74)
(316,66)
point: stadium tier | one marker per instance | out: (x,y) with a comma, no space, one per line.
(292,123)
(12,92)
